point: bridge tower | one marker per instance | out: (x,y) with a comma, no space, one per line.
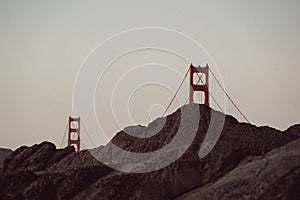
(199,86)
(74,132)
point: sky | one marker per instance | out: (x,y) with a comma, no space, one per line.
(255,44)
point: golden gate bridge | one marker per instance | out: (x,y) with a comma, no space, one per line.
(204,88)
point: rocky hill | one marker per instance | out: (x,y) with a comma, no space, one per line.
(3,154)
(247,162)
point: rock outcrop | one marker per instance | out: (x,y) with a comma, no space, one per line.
(3,154)
(247,162)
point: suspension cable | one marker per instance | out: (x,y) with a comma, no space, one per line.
(176,91)
(63,139)
(87,133)
(227,95)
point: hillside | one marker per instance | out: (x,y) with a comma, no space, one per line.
(3,154)
(247,162)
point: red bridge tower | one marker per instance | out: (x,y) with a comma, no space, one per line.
(199,86)
(74,132)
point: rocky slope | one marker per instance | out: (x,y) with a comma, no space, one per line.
(247,162)
(3,154)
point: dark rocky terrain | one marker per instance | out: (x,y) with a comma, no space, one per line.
(247,162)
(3,154)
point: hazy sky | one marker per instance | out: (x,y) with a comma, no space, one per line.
(255,44)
